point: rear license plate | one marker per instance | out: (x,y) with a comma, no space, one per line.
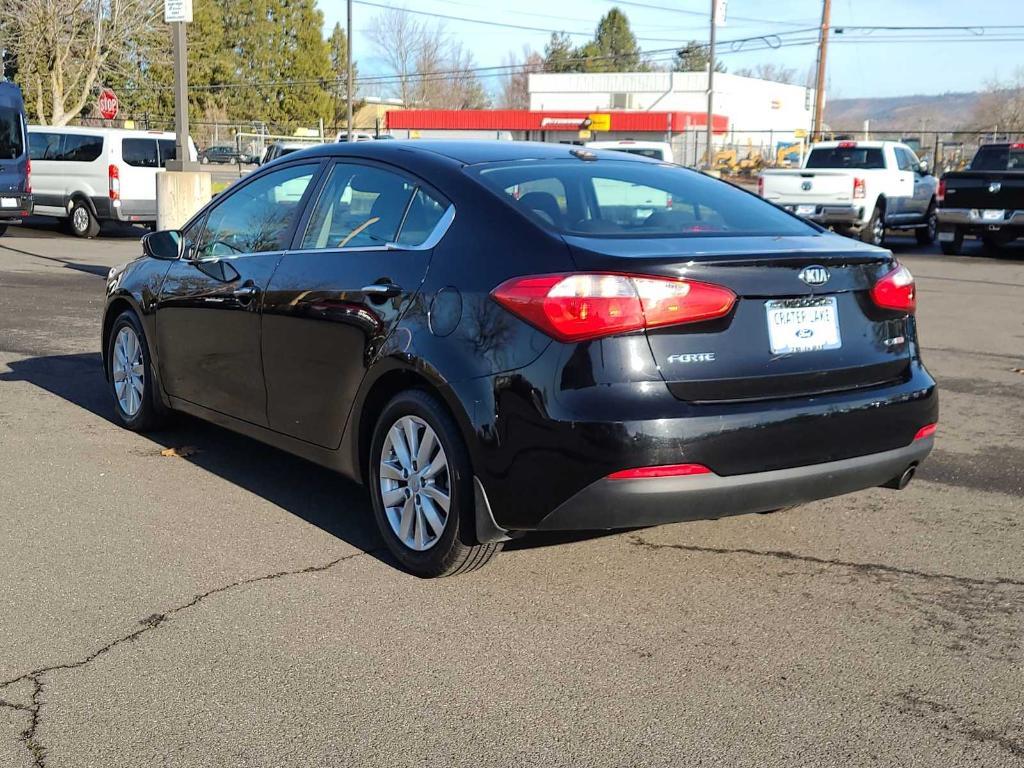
(8,202)
(803,325)
(945,237)
(992,214)
(806,210)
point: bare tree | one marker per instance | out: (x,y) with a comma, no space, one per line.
(769,71)
(515,93)
(1001,105)
(430,68)
(65,49)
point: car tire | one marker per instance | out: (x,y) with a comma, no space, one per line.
(81,221)
(232,161)
(3,229)
(926,235)
(873,232)
(408,498)
(129,372)
(204,160)
(955,246)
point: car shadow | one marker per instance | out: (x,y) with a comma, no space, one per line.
(315,494)
(93,269)
(312,493)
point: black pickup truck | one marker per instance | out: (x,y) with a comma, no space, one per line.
(986,200)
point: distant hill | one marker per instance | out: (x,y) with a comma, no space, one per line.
(903,113)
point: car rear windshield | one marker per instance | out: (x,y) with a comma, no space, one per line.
(1006,158)
(608,198)
(12,143)
(867,158)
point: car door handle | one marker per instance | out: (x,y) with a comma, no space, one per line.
(245,293)
(382,290)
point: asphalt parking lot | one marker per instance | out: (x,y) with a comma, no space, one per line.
(235,607)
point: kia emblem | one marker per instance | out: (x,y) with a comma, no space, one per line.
(814,275)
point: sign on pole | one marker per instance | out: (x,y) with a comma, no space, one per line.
(177,11)
(720,12)
(107,104)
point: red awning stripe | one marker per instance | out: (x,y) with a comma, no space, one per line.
(524,120)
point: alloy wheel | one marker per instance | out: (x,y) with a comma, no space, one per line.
(415,483)
(128,371)
(80,219)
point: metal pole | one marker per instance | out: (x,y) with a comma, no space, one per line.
(819,85)
(348,76)
(711,80)
(180,97)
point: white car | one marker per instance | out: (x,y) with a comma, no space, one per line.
(861,187)
(656,150)
(89,175)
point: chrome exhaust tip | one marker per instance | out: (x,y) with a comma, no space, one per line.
(902,481)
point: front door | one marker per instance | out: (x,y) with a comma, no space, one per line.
(335,299)
(207,319)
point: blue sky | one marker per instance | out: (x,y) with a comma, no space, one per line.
(855,69)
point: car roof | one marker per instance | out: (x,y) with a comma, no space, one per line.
(470,152)
(10,96)
(93,131)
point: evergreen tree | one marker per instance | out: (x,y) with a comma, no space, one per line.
(338,50)
(614,47)
(693,57)
(560,55)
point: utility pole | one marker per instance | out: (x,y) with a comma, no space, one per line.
(348,76)
(819,85)
(182,161)
(709,162)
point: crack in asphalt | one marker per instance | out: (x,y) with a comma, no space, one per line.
(919,706)
(29,736)
(792,556)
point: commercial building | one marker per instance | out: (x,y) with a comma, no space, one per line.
(652,106)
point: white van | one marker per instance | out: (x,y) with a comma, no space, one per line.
(656,150)
(89,175)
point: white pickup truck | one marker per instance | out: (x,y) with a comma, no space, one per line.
(862,188)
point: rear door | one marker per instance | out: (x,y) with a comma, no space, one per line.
(207,319)
(140,161)
(13,152)
(357,265)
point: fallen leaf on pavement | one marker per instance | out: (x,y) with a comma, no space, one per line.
(182,452)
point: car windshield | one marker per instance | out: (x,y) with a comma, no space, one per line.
(1005,158)
(12,144)
(866,158)
(609,198)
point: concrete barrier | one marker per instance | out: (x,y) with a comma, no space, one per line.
(179,194)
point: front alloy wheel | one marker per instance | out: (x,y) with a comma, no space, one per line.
(136,405)
(421,487)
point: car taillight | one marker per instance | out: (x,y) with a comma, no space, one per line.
(113,182)
(665,470)
(940,195)
(896,291)
(928,430)
(28,176)
(589,306)
(858,188)
(760,186)
(847,144)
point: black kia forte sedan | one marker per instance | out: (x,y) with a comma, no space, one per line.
(501,337)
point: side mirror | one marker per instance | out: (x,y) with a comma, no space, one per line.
(925,170)
(166,245)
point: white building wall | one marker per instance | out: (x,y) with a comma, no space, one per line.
(759,111)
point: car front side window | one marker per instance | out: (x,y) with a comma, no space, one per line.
(257,217)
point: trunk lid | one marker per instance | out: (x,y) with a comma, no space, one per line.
(812,186)
(985,190)
(844,341)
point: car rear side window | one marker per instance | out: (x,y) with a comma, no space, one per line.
(256,217)
(609,198)
(140,153)
(12,143)
(865,158)
(364,207)
(44,146)
(80,149)
(168,151)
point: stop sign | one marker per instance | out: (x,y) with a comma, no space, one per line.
(107,102)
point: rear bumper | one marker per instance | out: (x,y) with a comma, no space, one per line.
(19,211)
(135,210)
(845,215)
(971,221)
(633,503)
